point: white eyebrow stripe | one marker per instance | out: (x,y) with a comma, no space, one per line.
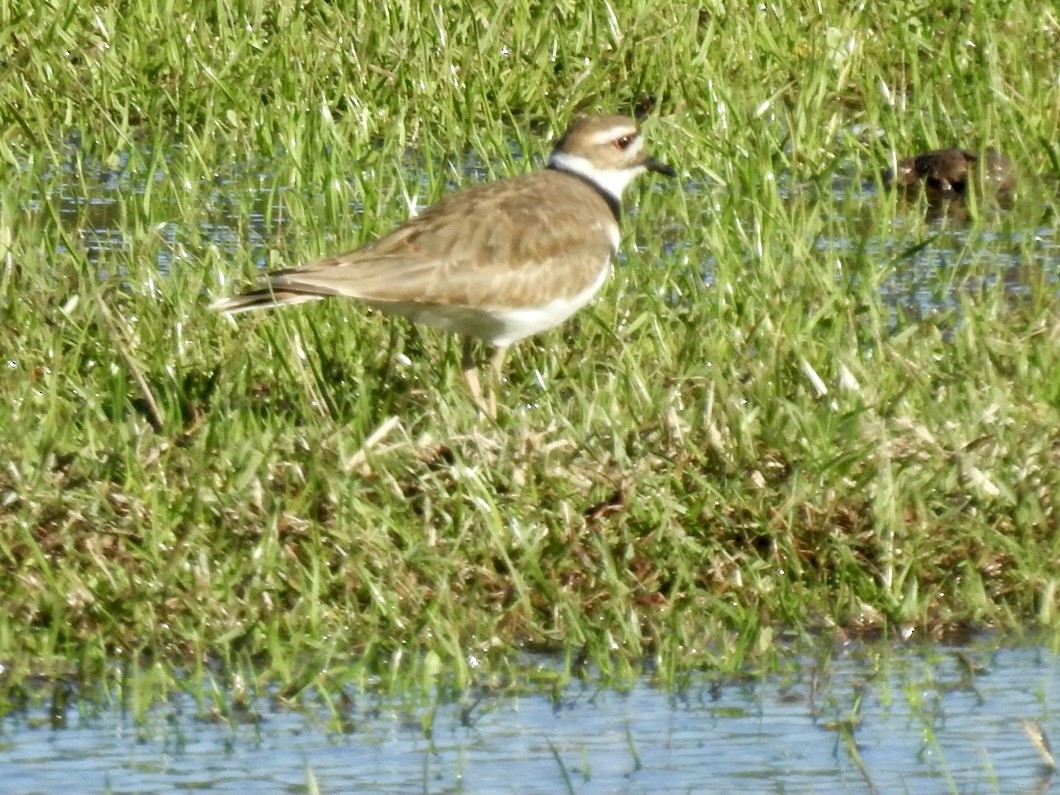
(614,133)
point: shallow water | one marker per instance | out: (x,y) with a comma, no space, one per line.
(923,719)
(928,249)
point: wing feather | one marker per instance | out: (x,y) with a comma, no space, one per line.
(517,243)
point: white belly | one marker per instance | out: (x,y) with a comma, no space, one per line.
(497,326)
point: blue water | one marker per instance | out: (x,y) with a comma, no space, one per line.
(928,264)
(921,722)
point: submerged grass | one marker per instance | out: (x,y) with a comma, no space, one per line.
(798,405)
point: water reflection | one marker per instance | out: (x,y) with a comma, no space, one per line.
(929,243)
(864,719)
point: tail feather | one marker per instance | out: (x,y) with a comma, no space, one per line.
(262,298)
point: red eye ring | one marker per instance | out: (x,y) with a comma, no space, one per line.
(624,142)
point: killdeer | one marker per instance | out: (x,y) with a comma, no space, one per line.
(497,262)
(945,173)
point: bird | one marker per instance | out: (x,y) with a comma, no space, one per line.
(499,261)
(945,173)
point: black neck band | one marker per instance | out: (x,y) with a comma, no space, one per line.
(613,204)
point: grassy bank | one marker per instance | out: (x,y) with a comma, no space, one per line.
(799,404)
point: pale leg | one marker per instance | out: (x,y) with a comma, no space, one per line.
(488,406)
(496,362)
(471,374)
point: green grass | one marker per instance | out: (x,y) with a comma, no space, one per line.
(682,472)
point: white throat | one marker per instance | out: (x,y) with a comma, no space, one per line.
(611,181)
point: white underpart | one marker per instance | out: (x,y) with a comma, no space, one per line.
(498,326)
(516,324)
(609,180)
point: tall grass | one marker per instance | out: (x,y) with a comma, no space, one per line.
(799,404)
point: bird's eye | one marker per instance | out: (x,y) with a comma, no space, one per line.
(624,142)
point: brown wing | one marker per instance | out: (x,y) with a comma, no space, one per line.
(516,243)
